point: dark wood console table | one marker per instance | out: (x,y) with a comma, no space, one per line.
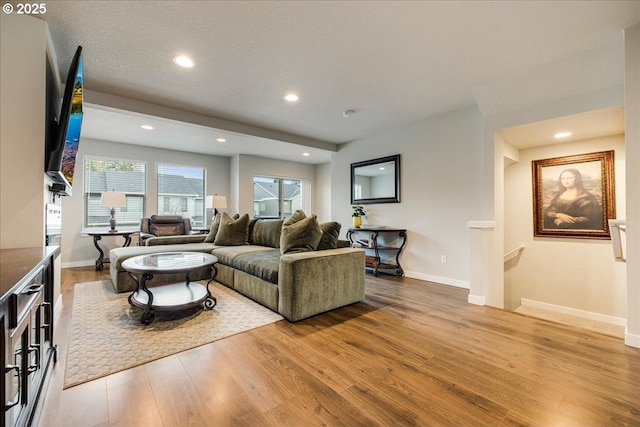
(97,236)
(382,246)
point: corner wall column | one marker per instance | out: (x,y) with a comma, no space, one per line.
(481,233)
(632,153)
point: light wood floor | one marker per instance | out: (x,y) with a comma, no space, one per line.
(413,353)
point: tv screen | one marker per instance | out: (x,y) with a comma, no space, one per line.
(62,155)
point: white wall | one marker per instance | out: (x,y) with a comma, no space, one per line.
(441,180)
(78,249)
(573,273)
(323,192)
(22,134)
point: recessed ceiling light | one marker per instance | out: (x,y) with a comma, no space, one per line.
(306,154)
(382,168)
(561,135)
(183,61)
(291,97)
(221,140)
(147,127)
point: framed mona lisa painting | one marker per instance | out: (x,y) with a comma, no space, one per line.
(573,196)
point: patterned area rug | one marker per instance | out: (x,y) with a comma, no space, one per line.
(107,336)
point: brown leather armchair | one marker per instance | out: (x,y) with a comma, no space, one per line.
(164,225)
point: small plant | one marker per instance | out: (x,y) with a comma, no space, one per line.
(358,210)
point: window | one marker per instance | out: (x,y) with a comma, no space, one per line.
(278,197)
(127,176)
(181,192)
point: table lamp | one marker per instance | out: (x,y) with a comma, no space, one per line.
(113,200)
(219,202)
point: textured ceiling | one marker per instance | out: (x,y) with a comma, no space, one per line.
(393,62)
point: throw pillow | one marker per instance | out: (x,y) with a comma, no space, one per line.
(330,235)
(213,230)
(297,216)
(232,232)
(266,232)
(300,236)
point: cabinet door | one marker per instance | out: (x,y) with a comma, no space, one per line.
(15,374)
(36,349)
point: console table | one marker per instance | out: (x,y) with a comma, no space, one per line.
(97,236)
(382,245)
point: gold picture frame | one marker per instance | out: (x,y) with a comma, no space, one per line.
(573,196)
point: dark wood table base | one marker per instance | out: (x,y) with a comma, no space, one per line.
(97,236)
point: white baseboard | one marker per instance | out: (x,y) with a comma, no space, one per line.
(477,299)
(631,340)
(78,264)
(57,308)
(437,279)
(575,312)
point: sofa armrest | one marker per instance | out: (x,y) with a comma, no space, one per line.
(310,283)
(173,240)
(344,244)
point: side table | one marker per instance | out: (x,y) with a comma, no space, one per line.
(97,236)
(382,246)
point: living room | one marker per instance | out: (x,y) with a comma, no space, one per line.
(448,159)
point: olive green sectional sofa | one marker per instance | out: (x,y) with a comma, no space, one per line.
(296,267)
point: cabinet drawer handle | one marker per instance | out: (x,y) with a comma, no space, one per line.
(32,289)
(32,368)
(8,369)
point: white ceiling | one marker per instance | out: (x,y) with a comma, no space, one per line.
(592,124)
(393,62)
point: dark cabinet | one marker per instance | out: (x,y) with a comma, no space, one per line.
(27,323)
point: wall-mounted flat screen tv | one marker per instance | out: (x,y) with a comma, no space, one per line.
(61,155)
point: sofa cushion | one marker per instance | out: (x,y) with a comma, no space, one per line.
(300,234)
(261,264)
(232,232)
(266,232)
(226,254)
(330,235)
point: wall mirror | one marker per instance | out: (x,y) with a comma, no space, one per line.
(376,181)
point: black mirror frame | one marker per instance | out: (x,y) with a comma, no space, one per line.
(394,199)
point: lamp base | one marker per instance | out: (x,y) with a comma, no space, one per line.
(112,221)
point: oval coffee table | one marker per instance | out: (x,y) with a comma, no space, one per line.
(170,296)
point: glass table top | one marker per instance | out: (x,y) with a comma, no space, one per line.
(169,262)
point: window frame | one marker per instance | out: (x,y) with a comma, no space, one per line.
(304,197)
(89,198)
(179,204)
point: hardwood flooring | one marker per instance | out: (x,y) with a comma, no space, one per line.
(413,353)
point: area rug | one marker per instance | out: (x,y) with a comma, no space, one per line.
(107,336)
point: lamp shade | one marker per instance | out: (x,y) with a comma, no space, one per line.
(219,202)
(114,199)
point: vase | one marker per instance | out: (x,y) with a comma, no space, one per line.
(357,221)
